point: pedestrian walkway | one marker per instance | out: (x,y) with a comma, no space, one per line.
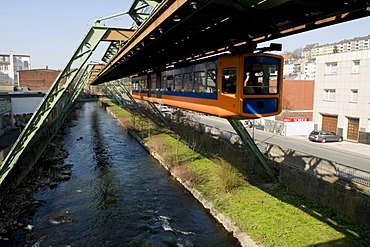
(345,146)
(8,139)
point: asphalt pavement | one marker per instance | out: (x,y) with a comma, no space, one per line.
(344,146)
(8,139)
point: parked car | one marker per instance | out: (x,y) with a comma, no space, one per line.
(164,108)
(324,136)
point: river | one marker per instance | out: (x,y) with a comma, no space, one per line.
(118,195)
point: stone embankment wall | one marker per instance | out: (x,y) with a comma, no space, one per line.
(29,157)
(312,177)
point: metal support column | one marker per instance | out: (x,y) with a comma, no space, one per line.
(128,94)
(65,87)
(159,113)
(249,142)
(113,92)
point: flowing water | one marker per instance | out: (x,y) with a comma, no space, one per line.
(118,195)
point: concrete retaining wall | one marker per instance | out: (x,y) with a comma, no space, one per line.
(312,177)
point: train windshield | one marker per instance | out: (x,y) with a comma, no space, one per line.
(261,75)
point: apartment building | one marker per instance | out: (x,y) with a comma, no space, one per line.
(10,64)
(356,44)
(342,94)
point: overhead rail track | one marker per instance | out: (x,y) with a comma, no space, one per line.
(140,10)
(181,30)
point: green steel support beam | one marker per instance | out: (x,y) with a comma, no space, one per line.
(127,92)
(77,88)
(82,82)
(105,91)
(141,9)
(159,113)
(56,92)
(112,51)
(113,92)
(119,94)
(249,142)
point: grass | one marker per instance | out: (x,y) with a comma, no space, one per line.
(271,215)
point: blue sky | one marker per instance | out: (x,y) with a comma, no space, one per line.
(50,31)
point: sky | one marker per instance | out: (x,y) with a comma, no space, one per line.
(50,31)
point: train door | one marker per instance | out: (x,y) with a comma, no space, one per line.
(261,87)
(228,79)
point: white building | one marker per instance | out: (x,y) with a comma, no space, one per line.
(355,44)
(309,70)
(10,64)
(342,94)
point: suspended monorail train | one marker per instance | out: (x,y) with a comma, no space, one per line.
(243,86)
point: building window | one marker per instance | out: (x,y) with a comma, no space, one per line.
(329,94)
(355,66)
(25,64)
(331,68)
(354,96)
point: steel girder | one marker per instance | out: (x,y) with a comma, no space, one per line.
(249,142)
(65,87)
(142,9)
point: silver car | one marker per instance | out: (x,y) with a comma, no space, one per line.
(324,136)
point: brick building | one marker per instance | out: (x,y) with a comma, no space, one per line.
(298,99)
(38,80)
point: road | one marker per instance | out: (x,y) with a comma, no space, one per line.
(354,155)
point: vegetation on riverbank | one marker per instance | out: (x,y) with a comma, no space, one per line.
(269,213)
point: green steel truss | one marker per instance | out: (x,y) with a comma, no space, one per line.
(116,90)
(112,50)
(139,11)
(159,113)
(142,9)
(115,94)
(66,87)
(249,142)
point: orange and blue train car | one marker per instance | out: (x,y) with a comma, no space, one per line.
(246,86)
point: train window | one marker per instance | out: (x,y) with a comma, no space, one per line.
(143,84)
(153,81)
(178,83)
(135,85)
(170,82)
(260,75)
(164,83)
(199,81)
(229,80)
(211,81)
(188,82)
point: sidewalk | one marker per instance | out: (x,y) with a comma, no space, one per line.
(8,140)
(346,146)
